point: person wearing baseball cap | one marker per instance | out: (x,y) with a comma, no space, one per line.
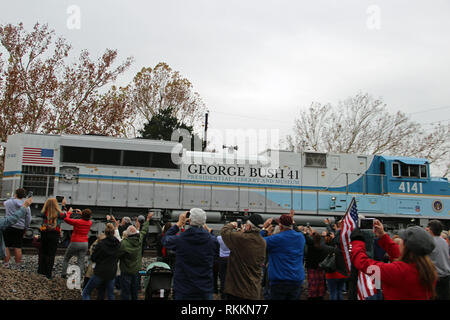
(247,254)
(411,275)
(195,251)
(285,250)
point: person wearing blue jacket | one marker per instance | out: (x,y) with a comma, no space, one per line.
(195,250)
(285,251)
(10,220)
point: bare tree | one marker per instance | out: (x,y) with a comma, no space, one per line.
(362,125)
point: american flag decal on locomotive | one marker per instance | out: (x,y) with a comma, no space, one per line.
(37,156)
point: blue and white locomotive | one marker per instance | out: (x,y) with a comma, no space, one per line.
(130,176)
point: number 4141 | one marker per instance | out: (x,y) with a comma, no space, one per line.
(408,187)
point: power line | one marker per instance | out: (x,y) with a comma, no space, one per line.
(434,122)
(292,123)
(252,117)
(428,110)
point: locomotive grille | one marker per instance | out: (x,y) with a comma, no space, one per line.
(39,180)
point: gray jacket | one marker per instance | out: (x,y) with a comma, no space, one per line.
(11,206)
(7,222)
(440,257)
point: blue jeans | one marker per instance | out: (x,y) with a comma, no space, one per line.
(205,296)
(96,282)
(336,286)
(286,290)
(129,285)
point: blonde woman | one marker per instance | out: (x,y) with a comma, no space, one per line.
(50,233)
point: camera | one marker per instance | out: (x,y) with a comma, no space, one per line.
(366,223)
(188,214)
(30,194)
(59,198)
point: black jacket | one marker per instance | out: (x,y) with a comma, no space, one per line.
(195,250)
(106,256)
(314,255)
(337,249)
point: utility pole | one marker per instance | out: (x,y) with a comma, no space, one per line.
(205,138)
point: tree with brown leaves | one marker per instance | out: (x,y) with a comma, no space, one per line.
(41,92)
(160,88)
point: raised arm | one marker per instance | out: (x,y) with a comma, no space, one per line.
(16,216)
(228,235)
(170,238)
(145,227)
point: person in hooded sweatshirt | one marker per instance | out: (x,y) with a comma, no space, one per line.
(195,250)
(14,234)
(105,257)
(10,220)
(130,256)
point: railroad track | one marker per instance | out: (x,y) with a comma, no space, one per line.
(61,251)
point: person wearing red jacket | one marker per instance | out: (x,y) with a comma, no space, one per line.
(79,241)
(411,275)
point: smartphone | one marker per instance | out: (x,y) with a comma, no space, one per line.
(366,224)
(239,223)
(188,214)
(30,194)
(307,224)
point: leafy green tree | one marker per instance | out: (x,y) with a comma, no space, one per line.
(162,125)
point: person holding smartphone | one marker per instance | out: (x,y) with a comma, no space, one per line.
(195,251)
(411,275)
(13,235)
(12,219)
(79,241)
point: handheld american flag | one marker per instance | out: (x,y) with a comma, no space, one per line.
(350,222)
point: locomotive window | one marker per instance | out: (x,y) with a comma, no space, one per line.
(414,171)
(410,170)
(318,160)
(163,160)
(404,170)
(76,154)
(396,169)
(106,156)
(423,172)
(113,157)
(382,168)
(136,159)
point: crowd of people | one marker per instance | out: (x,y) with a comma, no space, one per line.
(253,260)
(272,259)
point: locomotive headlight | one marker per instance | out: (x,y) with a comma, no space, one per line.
(333,203)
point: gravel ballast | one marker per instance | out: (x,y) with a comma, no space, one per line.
(22,282)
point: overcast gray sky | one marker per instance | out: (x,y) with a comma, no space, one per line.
(257,63)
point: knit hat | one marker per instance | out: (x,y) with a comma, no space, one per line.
(256,220)
(417,240)
(197,217)
(285,220)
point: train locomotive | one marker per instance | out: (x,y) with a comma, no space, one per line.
(128,177)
